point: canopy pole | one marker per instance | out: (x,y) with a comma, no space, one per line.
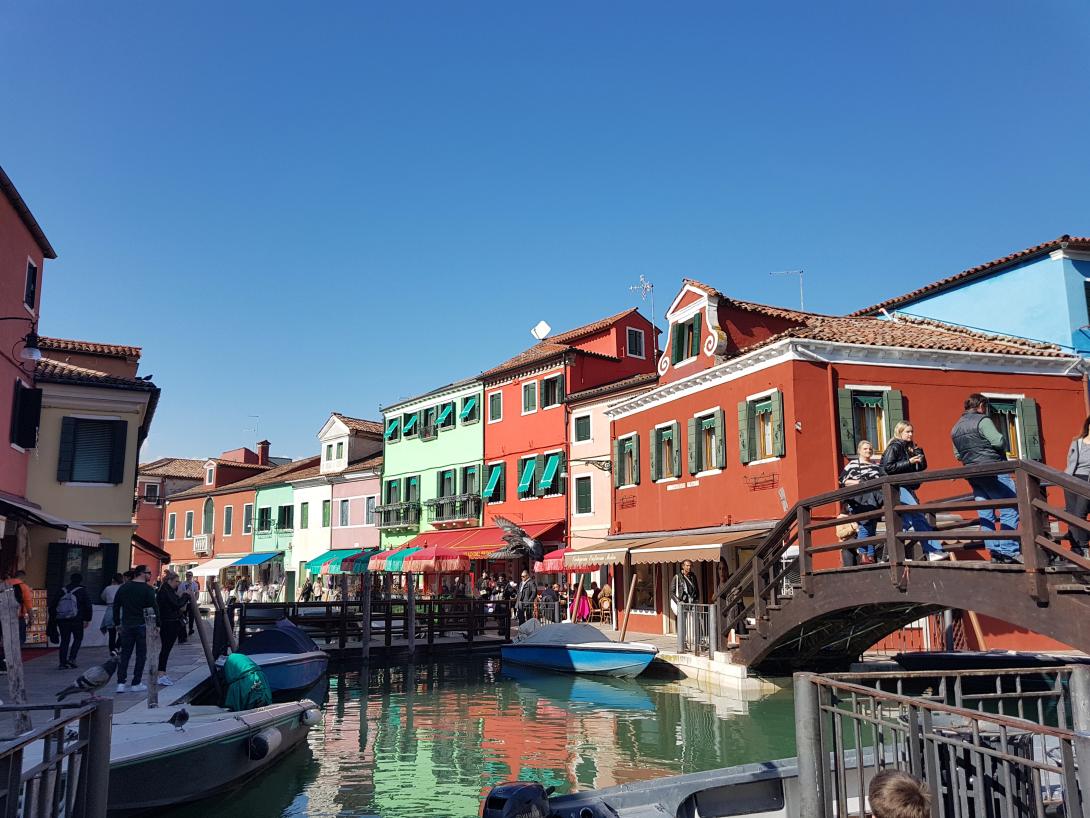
(575,602)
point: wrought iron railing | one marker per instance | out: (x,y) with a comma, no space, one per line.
(398,515)
(202,544)
(697,629)
(454,509)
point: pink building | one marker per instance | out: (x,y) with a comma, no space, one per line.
(358,487)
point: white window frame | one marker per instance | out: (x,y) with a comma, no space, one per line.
(522,397)
(252,520)
(767,393)
(228,516)
(575,495)
(172,525)
(1017,420)
(698,416)
(621,439)
(629,332)
(489,418)
(658,453)
(863,387)
(187,531)
(210,475)
(541,392)
(344,512)
(575,441)
(144,493)
(370,498)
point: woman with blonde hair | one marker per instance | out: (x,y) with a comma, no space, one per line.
(903,456)
(860,469)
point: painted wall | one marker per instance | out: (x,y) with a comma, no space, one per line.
(276,539)
(309,542)
(238,542)
(148,517)
(355,488)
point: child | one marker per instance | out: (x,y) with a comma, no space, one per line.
(894,794)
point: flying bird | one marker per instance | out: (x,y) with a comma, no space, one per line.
(92,679)
(519,541)
(179,719)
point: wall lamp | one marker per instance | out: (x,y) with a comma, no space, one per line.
(30,351)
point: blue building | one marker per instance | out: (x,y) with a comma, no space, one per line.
(1042,293)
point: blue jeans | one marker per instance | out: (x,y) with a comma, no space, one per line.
(867,528)
(132,636)
(999,487)
(915,521)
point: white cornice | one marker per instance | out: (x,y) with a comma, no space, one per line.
(432,398)
(69,396)
(529,370)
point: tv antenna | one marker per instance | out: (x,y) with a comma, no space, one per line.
(646,289)
(256,429)
(802,302)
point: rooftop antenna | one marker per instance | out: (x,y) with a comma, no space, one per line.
(802,302)
(645,288)
(256,429)
(541,330)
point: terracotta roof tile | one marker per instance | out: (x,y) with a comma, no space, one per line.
(47,370)
(371,461)
(646,379)
(1077,242)
(752,306)
(223,461)
(88,347)
(359,424)
(181,467)
(276,474)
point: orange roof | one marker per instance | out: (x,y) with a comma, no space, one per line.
(275,474)
(180,467)
(359,424)
(47,370)
(88,347)
(371,461)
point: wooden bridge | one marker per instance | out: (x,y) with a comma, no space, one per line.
(794,606)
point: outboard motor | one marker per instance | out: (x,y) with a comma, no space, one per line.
(517,799)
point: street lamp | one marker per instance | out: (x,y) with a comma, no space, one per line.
(30,351)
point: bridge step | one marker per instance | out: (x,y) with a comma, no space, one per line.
(1071,589)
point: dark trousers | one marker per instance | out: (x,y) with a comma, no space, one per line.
(112,633)
(71,631)
(168,634)
(132,636)
(1079,506)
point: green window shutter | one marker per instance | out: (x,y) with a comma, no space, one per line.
(653,454)
(493,481)
(779,439)
(893,409)
(467,407)
(847,422)
(325,513)
(720,439)
(526,478)
(552,466)
(693,442)
(694,342)
(391,429)
(68,449)
(539,468)
(1030,427)
(675,467)
(502,487)
(744,421)
(562,485)
(635,460)
(618,451)
(117,451)
(560,389)
(675,344)
(582,496)
(443,415)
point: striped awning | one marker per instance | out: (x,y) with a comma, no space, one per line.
(315,565)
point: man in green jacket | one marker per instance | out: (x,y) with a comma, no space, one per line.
(129,604)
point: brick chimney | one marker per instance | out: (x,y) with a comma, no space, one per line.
(263,452)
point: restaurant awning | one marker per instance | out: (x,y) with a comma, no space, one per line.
(258,558)
(315,565)
(481,543)
(695,547)
(440,538)
(607,552)
(214,566)
(74,533)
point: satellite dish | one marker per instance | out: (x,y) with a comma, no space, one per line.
(541,330)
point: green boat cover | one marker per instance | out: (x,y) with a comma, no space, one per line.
(247,687)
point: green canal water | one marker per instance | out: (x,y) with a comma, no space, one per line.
(428,740)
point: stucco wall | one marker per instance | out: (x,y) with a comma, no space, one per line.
(308,543)
(357,534)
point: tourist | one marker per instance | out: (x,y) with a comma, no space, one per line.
(903,456)
(171,607)
(859,470)
(72,611)
(108,626)
(976,440)
(25,597)
(550,603)
(460,588)
(524,598)
(308,590)
(896,794)
(582,612)
(242,588)
(190,588)
(684,589)
(129,603)
(594,592)
(1078,466)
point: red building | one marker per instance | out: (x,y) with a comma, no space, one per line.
(526,418)
(155,481)
(757,407)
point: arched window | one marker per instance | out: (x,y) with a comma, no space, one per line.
(209,514)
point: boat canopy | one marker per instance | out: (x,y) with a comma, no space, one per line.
(566,633)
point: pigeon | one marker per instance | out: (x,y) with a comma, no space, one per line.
(92,679)
(179,719)
(518,540)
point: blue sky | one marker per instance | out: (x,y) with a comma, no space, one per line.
(297,208)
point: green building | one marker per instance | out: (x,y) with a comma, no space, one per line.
(274,525)
(432,454)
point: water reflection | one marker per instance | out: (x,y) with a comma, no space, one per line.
(429,739)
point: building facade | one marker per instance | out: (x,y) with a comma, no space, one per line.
(155,481)
(356,494)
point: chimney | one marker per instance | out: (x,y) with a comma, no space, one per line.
(263,452)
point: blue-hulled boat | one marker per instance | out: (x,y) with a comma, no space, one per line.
(577,648)
(290,659)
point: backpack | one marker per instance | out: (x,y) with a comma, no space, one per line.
(68,605)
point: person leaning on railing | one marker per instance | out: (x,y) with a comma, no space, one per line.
(861,469)
(903,456)
(1078,466)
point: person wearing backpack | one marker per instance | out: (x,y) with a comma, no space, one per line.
(72,612)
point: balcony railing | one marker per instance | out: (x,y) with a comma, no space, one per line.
(429,432)
(454,509)
(202,544)
(398,515)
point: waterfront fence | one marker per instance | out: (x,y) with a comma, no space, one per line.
(61,768)
(546,612)
(697,629)
(952,730)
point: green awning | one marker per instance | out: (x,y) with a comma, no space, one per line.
(870,401)
(391,428)
(468,408)
(394,562)
(551,465)
(338,554)
(527,477)
(443,415)
(410,423)
(763,408)
(1003,407)
(493,481)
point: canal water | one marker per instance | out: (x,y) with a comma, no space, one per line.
(428,740)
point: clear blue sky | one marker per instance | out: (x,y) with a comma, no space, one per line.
(297,208)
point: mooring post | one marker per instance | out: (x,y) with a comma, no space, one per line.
(410,613)
(217,602)
(365,648)
(628,605)
(151,629)
(206,641)
(13,651)
(97,759)
(343,638)
(1080,716)
(808,742)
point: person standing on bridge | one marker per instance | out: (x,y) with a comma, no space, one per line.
(860,469)
(903,456)
(1078,466)
(976,440)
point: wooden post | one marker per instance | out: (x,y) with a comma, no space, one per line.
(13,651)
(1030,524)
(895,551)
(410,613)
(343,637)
(206,642)
(628,605)
(365,649)
(217,601)
(154,644)
(805,567)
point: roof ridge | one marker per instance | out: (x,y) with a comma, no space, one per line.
(99,347)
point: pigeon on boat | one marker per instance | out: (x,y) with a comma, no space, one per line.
(92,679)
(179,719)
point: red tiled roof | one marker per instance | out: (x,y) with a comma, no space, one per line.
(557,344)
(180,467)
(88,347)
(645,379)
(223,461)
(752,306)
(359,424)
(371,461)
(50,371)
(276,474)
(1076,242)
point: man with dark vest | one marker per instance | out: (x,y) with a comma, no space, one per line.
(976,440)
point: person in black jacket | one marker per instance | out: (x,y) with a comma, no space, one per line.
(71,611)
(903,456)
(171,607)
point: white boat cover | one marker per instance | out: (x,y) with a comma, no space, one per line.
(566,633)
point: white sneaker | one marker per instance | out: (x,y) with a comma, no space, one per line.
(165,681)
(140,688)
(945,555)
(121,687)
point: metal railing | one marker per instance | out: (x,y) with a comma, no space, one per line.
(71,775)
(975,762)
(697,629)
(202,543)
(398,515)
(547,612)
(450,509)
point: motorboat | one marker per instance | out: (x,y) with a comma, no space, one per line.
(942,660)
(565,690)
(288,657)
(571,647)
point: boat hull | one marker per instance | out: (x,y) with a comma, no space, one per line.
(606,659)
(289,672)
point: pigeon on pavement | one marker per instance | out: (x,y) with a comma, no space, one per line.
(179,719)
(91,679)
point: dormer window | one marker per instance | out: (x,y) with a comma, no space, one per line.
(686,341)
(209,476)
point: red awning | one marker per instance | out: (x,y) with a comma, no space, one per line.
(444,539)
(480,542)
